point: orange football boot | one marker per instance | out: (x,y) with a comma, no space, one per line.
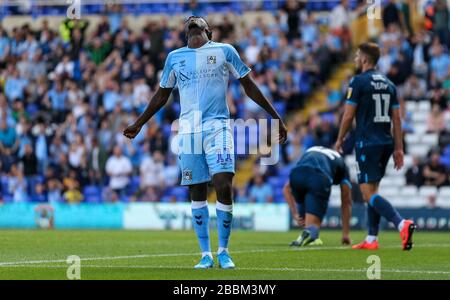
(407,233)
(366,245)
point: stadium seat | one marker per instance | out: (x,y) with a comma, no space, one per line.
(419,150)
(426,191)
(398,180)
(411,106)
(275,181)
(445,160)
(280,107)
(335,190)
(408,160)
(134,185)
(412,138)
(180,193)
(420,116)
(389,192)
(397,201)
(92,194)
(278,196)
(7,198)
(409,191)
(424,106)
(430,139)
(284,172)
(420,128)
(335,201)
(443,202)
(415,202)
(444,192)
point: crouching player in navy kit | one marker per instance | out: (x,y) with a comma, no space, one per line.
(309,189)
(372,98)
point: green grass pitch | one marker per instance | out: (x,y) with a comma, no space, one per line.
(33,254)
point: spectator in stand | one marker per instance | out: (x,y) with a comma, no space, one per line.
(73,195)
(119,169)
(441,21)
(54,191)
(436,120)
(171,172)
(391,15)
(8,139)
(440,62)
(150,194)
(29,165)
(414,174)
(240,195)
(17,185)
(340,21)
(39,194)
(414,88)
(434,173)
(152,171)
(260,192)
(431,202)
(438,97)
(15,85)
(293,10)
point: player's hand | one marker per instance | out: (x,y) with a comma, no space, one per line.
(300,221)
(132,131)
(282,133)
(398,159)
(346,240)
(338,146)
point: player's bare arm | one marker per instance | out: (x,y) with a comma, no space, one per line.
(287,193)
(156,103)
(252,90)
(346,123)
(398,140)
(346,213)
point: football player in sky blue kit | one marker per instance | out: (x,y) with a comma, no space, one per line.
(201,71)
(372,99)
(308,191)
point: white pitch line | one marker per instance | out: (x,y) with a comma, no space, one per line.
(32,262)
(245,269)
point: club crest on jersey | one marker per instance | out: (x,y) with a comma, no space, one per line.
(187,175)
(211,59)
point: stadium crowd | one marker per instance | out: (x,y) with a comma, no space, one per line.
(419,64)
(66,95)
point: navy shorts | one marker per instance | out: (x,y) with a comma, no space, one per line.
(372,162)
(311,190)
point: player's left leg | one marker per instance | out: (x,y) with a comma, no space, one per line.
(315,204)
(372,162)
(219,150)
(310,235)
(382,207)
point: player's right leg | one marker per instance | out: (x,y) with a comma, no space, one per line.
(195,174)
(200,222)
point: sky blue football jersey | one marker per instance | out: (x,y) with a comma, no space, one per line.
(201,76)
